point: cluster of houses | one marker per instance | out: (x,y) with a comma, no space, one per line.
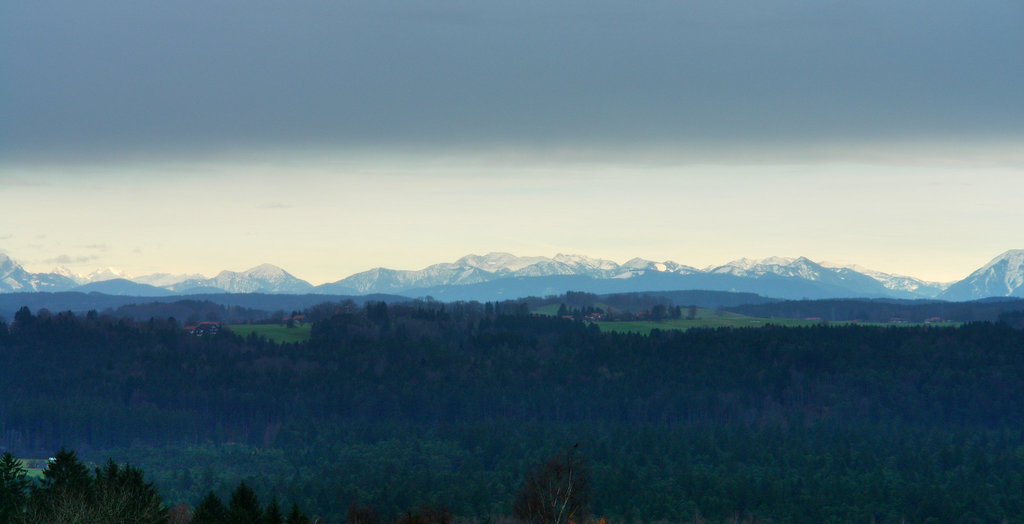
(203,329)
(590,317)
(296,320)
(211,328)
(901,320)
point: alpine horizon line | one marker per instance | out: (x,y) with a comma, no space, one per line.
(507,276)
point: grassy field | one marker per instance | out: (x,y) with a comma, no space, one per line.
(275,332)
(552,309)
(549,310)
(33,473)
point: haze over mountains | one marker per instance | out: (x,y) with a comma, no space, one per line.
(506,276)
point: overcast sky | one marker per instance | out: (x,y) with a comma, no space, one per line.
(332,137)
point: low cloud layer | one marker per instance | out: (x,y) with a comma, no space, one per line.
(68,259)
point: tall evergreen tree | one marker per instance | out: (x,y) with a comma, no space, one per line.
(295,516)
(123,495)
(14,485)
(244,507)
(272,515)
(65,492)
(210,511)
(65,473)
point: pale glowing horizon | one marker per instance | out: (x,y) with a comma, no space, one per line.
(330,138)
(323,219)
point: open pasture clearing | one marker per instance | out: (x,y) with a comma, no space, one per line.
(33,472)
(552,309)
(274,332)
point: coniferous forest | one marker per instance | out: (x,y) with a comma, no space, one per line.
(456,409)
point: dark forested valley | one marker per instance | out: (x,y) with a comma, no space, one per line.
(398,406)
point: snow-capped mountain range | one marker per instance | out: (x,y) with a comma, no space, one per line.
(503,275)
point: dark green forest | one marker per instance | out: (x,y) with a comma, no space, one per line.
(399,406)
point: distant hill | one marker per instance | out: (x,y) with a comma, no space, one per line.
(83,302)
(121,286)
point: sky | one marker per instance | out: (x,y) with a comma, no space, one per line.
(332,137)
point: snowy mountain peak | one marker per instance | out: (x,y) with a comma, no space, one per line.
(801,267)
(67,273)
(107,273)
(496,261)
(748,264)
(265,278)
(1003,276)
(668,266)
(6,264)
(783,261)
(638,264)
(14,278)
(893,281)
(1014,259)
(266,271)
(585,262)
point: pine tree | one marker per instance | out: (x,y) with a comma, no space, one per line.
(123,495)
(272,515)
(13,488)
(65,473)
(64,494)
(295,516)
(210,511)
(244,507)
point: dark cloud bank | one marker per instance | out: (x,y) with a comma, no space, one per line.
(178,76)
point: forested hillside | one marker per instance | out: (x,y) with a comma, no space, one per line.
(395,406)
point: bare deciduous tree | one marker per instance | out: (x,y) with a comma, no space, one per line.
(555,492)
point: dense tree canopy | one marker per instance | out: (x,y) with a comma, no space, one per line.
(397,406)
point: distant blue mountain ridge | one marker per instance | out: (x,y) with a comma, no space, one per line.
(500,276)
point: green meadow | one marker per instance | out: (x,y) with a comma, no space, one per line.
(275,332)
(549,310)
(33,473)
(552,309)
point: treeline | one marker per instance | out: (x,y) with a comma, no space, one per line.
(556,491)
(883,310)
(224,307)
(70,493)
(645,301)
(402,405)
